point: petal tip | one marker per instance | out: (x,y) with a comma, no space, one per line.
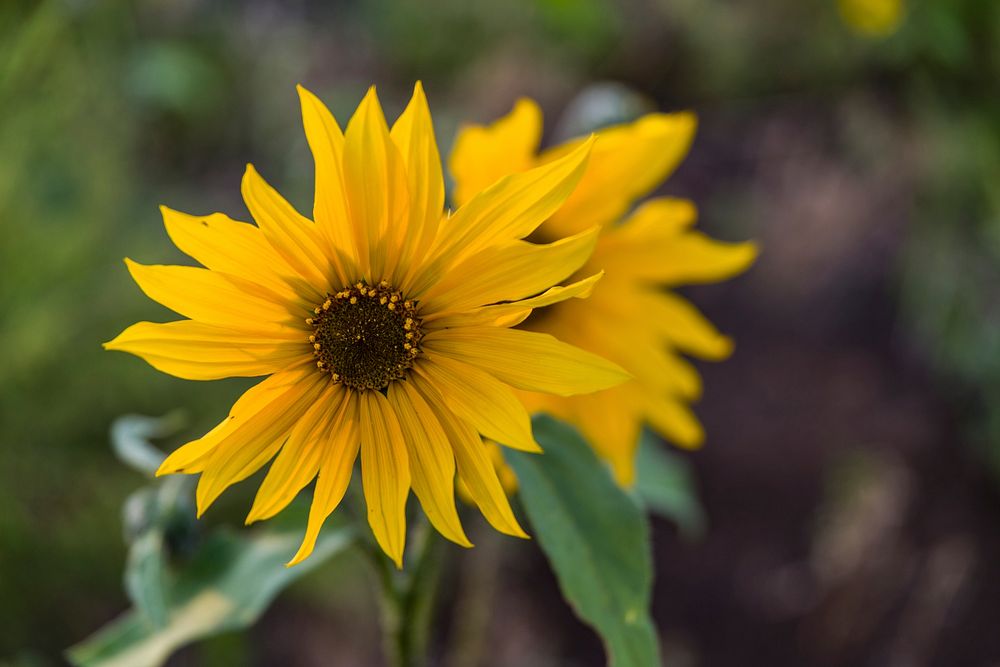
(297,558)
(518,532)
(306,96)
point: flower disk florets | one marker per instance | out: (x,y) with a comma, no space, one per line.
(365,336)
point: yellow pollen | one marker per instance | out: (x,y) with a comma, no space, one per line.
(365,344)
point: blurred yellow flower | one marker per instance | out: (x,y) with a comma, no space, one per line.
(381,326)
(629,318)
(875,18)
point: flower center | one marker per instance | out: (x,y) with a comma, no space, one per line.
(365,337)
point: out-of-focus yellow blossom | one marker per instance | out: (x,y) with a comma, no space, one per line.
(873,18)
(631,316)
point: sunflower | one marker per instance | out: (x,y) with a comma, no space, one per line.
(383,326)
(630,318)
(872,18)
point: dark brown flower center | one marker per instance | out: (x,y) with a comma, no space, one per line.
(365,337)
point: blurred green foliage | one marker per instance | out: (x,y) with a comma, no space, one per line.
(72,204)
(187,584)
(951,270)
(596,539)
(108,109)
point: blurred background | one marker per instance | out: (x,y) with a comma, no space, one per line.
(851,474)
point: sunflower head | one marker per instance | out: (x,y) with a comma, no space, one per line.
(366,336)
(382,324)
(631,318)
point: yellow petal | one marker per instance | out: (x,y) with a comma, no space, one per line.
(510,272)
(513,207)
(674,421)
(330,208)
(647,358)
(676,320)
(189,458)
(474,465)
(413,135)
(580,289)
(610,422)
(528,360)
(627,162)
(655,220)
(196,351)
(480,399)
(512,314)
(292,236)
(222,244)
(214,298)
(687,259)
(340,443)
(375,183)
(249,445)
(431,460)
(299,460)
(483,155)
(385,472)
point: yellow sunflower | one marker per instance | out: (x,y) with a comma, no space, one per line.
(381,325)
(630,318)
(872,18)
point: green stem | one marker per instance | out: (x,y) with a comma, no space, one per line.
(407,598)
(422,594)
(474,606)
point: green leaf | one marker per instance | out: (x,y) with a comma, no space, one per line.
(131,435)
(665,485)
(226,586)
(146,577)
(595,537)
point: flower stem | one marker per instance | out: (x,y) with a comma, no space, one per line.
(407,598)
(477,587)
